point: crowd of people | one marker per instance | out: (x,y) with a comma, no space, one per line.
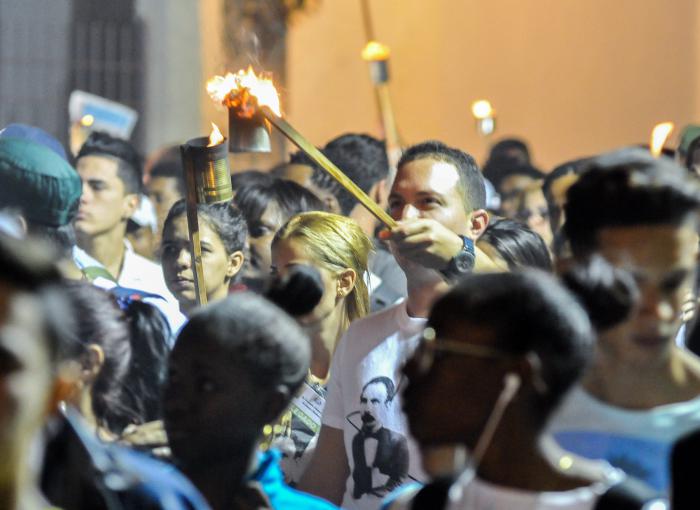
(519,339)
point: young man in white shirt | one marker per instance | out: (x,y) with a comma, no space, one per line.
(437,198)
(641,391)
(110,170)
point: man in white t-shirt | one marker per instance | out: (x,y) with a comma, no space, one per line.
(364,449)
(515,343)
(641,391)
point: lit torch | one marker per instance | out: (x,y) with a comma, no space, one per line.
(377,56)
(485,117)
(208,179)
(253,104)
(659,135)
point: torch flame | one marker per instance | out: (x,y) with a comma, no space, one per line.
(658,137)
(374,51)
(482,109)
(215,138)
(245,91)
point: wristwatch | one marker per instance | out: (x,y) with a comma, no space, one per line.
(462,263)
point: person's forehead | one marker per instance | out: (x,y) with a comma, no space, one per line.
(272,215)
(516,182)
(98,166)
(176,227)
(426,174)
(658,247)
(162,183)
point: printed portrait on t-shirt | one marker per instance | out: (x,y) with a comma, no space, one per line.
(380,455)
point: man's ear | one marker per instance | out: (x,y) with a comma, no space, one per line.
(235,263)
(131,204)
(379,192)
(479,220)
(346,282)
(92,361)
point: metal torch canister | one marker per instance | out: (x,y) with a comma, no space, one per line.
(248,134)
(379,71)
(210,168)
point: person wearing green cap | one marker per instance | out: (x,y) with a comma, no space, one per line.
(40,189)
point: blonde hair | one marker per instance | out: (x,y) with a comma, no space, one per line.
(336,243)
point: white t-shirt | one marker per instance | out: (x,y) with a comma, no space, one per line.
(481,495)
(638,442)
(364,401)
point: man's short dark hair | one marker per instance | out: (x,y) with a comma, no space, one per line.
(130,166)
(626,188)
(528,312)
(471,181)
(247,327)
(290,197)
(319,177)
(171,168)
(499,171)
(363,159)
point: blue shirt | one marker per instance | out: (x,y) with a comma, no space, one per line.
(281,496)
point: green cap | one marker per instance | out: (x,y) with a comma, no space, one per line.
(689,133)
(38,181)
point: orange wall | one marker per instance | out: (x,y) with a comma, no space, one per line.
(573,76)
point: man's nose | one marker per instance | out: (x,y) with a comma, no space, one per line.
(184,259)
(409,212)
(86,193)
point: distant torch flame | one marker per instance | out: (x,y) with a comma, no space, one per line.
(215,138)
(482,109)
(658,137)
(374,51)
(244,91)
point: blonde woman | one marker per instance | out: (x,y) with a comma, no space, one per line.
(339,249)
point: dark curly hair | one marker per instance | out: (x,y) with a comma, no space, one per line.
(223,218)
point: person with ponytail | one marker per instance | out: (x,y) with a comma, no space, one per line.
(121,347)
(338,248)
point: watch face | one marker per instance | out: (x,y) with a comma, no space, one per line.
(464,262)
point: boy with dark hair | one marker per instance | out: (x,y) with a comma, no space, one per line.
(110,170)
(641,392)
(235,367)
